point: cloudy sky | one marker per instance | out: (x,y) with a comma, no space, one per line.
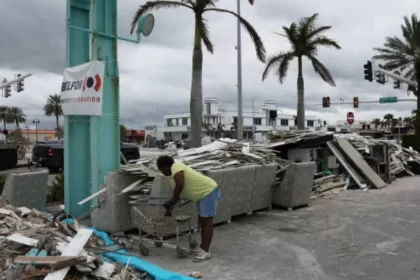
(156,75)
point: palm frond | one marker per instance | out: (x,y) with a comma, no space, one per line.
(325,42)
(306,25)
(318,30)
(292,33)
(251,2)
(155,5)
(204,34)
(259,46)
(274,62)
(323,72)
(284,66)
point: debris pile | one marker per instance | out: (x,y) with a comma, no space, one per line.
(35,245)
(329,185)
(222,153)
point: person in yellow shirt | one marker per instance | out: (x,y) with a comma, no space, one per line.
(202,190)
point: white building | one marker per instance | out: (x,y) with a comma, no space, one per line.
(268,117)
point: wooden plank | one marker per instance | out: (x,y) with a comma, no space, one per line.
(361,165)
(73,249)
(131,186)
(42,260)
(92,196)
(18,238)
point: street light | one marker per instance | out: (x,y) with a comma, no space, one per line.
(240,127)
(36,122)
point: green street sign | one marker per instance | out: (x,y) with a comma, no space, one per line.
(388,100)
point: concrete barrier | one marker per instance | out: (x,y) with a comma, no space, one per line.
(27,189)
(114,215)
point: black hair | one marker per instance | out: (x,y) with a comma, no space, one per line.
(164,161)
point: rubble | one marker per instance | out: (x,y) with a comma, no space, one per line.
(218,155)
(37,245)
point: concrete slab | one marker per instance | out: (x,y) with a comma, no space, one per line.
(262,191)
(355,235)
(296,187)
(27,189)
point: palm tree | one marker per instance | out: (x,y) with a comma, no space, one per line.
(220,130)
(376,122)
(408,121)
(394,122)
(404,55)
(388,118)
(305,38)
(209,128)
(5,115)
(17,116)
(59,132)
(53,108)
(201,36)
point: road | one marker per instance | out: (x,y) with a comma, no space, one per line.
(355,235)
(144,153)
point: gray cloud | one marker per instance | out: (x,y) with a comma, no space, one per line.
(156,74)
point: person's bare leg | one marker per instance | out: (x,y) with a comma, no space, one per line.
(206,232)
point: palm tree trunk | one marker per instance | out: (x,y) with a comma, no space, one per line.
(196,99)
(4,124)
(56,121)
(417,66)
(301,97)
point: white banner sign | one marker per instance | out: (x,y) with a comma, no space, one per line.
(82,89)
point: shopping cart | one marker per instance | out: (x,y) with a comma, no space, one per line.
(159,224)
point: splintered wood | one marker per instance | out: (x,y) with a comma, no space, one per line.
(35,246)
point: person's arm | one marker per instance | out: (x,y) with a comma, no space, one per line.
(179,185)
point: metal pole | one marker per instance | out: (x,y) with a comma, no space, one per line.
(15,81)
(36,132)
(240,128)
(253,124)
(397,77)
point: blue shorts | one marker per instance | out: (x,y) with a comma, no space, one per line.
(207,206)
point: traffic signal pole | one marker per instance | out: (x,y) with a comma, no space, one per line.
(396,77)
(14,81)
(371,101)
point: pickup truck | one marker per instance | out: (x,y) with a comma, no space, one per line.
(51,154)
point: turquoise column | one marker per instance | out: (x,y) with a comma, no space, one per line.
(76,128)
(104,130)
(92,143)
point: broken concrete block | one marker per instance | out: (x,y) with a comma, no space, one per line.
(263,191)
(296,187)
(114,214)
(27,189)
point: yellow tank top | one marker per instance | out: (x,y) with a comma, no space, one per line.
(196,185)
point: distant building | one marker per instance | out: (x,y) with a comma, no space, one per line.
(41,134)
(265,119)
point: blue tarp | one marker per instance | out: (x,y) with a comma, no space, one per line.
(156,272)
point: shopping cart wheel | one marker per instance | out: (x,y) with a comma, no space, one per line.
(144,251)
(158,244)
(181,253)
(193,244)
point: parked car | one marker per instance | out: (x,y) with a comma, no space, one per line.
(54,157)
(40,151)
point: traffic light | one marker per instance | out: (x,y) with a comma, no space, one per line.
(368,71)
(397,83)
(325,102)
(380,78)
(20,84)
(356,102)
(7,91)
